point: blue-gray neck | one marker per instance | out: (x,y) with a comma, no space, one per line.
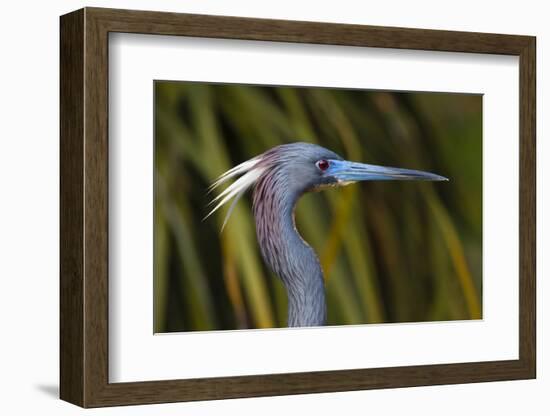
(288,255)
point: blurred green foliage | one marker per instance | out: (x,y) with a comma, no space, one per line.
(391,251)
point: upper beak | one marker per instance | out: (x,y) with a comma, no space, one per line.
(345,171)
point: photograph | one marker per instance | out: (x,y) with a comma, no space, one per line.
(308,206)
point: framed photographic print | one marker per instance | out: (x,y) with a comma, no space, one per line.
(255,207)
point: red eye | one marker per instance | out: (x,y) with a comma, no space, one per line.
(323,164)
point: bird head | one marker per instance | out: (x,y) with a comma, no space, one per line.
(311,167)
(303,167)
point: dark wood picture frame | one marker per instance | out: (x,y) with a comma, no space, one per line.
(84,207)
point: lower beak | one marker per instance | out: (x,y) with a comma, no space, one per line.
(345,171)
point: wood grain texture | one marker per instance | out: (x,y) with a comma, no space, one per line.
(84,207)
(162,23)
(527,208)
(96,218)
(71,213)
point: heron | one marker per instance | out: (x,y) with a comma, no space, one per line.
(279,177)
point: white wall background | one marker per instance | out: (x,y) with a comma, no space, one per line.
(29,206)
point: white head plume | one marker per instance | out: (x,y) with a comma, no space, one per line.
(236,190)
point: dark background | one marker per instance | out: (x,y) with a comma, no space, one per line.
(391,251)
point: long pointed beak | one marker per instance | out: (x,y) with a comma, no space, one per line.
(345,172)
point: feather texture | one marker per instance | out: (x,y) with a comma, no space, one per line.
(250,172)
